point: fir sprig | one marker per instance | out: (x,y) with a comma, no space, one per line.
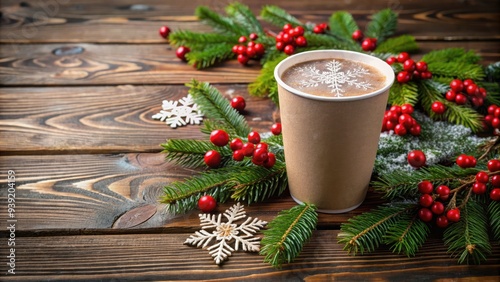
(278,17)
(265,84)
(403,43)
(494,218)
(407,234)
(383,24)
(244,16)
(210,56)
(187,152)
(219,23)
(403,93)
(342,25)
(199,40)
(286,234)
(468,239)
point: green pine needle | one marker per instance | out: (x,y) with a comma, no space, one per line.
(382,25)
(494,216)
(287,233)
(342,24)
(278,17)
(214,106)
(256,183)
(403,43)
(219,23)
(365,232)
(210,55)
(403,93)
(460,69)
(451,55)
(187,152)
(244,16)
(325,41)
(265,82)
(468,239)
(198,40)
(407,234)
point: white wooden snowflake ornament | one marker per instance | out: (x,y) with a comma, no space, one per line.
(179,113)
(227,233)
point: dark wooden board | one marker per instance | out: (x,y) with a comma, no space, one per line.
(145,257)
(104,22)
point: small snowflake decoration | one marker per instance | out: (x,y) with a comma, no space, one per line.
(227,233)
(335,77)
(179,113)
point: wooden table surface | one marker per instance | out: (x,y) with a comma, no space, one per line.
(80,82)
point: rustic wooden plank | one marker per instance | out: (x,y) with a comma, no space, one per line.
(63,21)
(102,119)
(74,193)
(144,257)
(141,64)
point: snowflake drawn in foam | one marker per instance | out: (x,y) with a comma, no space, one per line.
(179,113)
(335,77)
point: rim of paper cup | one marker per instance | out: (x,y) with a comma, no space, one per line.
(385,69)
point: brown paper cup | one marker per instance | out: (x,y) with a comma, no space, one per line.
(331,142)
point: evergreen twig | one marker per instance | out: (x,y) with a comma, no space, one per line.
(383,24)
(210,55)
(244,16)
(219,23)
(407,234)
(403,43)
(278,17)
(494,218)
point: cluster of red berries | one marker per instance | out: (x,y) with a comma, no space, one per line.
(465,161)
(252,50)
(483,178)
(461,91)
(493,117)
(367,44)
(411,69)
(399,119)
(431,202)
(289,38)
(321,28)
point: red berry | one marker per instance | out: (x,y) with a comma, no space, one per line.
(238,155)
(243,59)
(253,36)
(415,130)
(416,75)
(488,119)
(241,50)
(472,161)
(259,48)
(407,109)
(219,137)
(324,26)
(483,92)
(403,56)
(368,44)
(391,60)
(426,75)
(453,215)
(396,110)
(495,194)
(442,221)
(287,38)
(425,187)
(460,99)
(425,214)
(262,146)
(495,180)
(242,39)
(437,208)
(271,160)
(425,200)
(471,89)
(482,177)
(357,35)
(457,85)
(463,161)
(493,165)
(298,31)
(443,191)
(390,125)
(403,77)
(254,137)
(250,52)
(236,144)
(289,49)
(279,37)
(280,46)
(301,41)
(421,66)
(247,149)
(416,158)
(479,188)
(451,95)
(409,65)
(212,158)
(406,120)
(164,31)
(260,155)
(477,101)
(468,82)
(235,49)
(181,52)
(251,44)
(496,113)
(238,103)
(207,203)
(317,29)
(400,130)
(287,27)
(438,107)
(276,128)
(495,122)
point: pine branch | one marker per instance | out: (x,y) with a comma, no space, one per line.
(342,24)
(403,43)
(287,233)
(407,234)
(244,16)
(210,55)
(200,40)
(322,41)
(183,196)
(454,113)
(219,23)
(279,17)
(256,183)
(458,69)
(451,55)
(265,82)
(190,153)
(406,93)
(365,232)
(493,90)
(468,238)
(211,102)
(494,218)
(382,25)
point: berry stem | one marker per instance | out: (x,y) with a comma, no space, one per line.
(489,147)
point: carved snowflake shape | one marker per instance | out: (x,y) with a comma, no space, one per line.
(179,113)
(335,77)
(226,234)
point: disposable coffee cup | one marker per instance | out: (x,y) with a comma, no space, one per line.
(331,142)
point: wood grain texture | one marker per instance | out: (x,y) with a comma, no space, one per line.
(85,193)
(73,120)
(104,22)
(163,257)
